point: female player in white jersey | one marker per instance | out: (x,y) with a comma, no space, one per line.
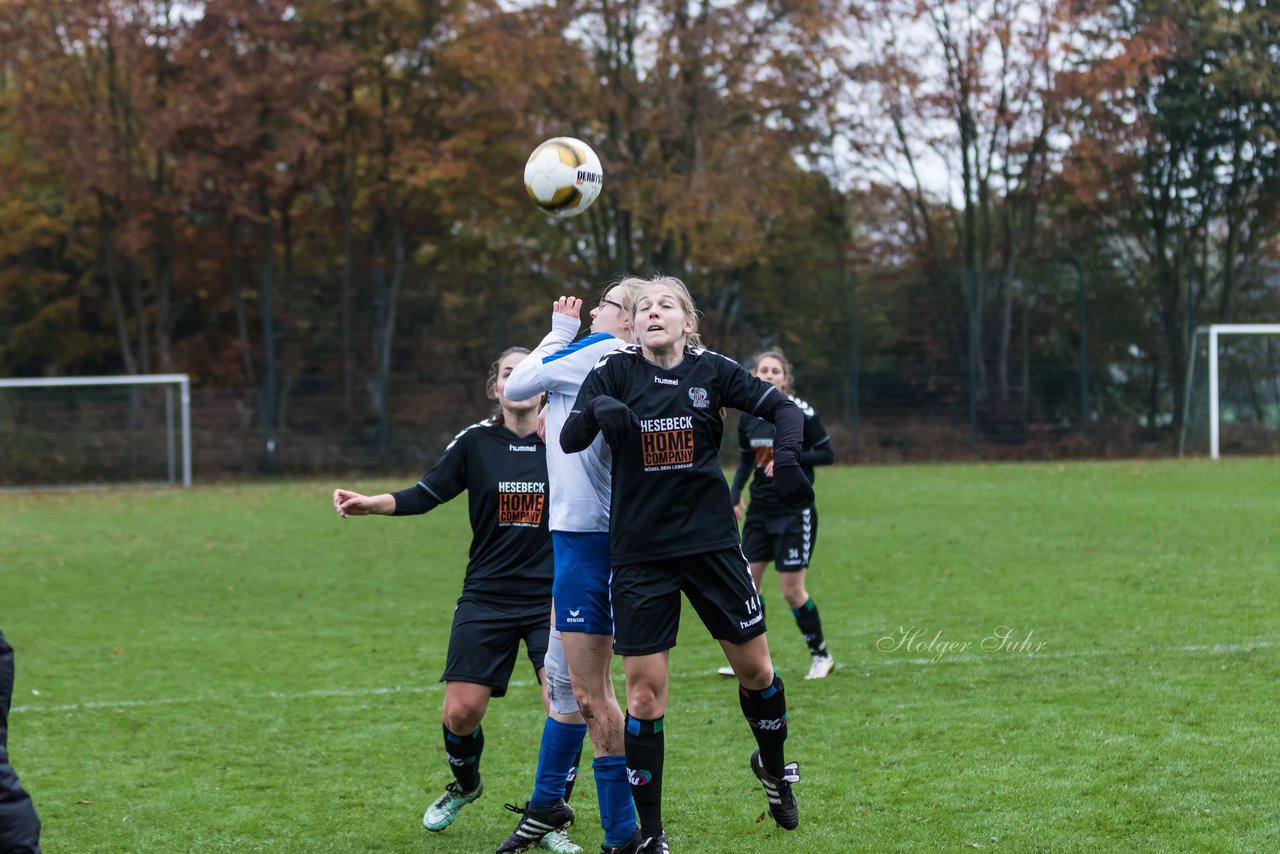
(784,535)
(582,635)
(501,464)
(672,530)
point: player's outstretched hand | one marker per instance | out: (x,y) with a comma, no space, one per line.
(349,503)
(571,306)
(790,485)
(615,419)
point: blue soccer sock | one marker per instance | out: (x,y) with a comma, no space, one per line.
(613,792)
(561,745)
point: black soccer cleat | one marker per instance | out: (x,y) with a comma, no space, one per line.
(535,824)
(632,845)
(782,801)
(656,845)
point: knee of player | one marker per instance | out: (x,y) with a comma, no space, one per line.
(644,702)
(462,718)
(796,598)
(755,671)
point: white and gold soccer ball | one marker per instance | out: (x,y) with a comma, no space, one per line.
(563,176)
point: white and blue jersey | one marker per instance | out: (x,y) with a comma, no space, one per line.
(579,485)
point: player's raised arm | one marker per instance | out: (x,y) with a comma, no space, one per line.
(527,379)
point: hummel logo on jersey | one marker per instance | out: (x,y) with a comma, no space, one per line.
(522,447)
(665,381)
(746,624)
(699,398)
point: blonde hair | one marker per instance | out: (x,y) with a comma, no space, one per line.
(787,372)
(630,290)
(681,291)
(491,384)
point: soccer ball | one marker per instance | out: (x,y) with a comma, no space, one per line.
(563,176)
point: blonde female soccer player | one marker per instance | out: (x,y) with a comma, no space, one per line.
(672,530)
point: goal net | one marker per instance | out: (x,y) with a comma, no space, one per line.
(95,430)
(1232,401)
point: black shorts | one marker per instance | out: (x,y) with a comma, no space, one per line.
(485,638)
(646,600)
(787,539)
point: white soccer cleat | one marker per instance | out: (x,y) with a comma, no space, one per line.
(445,809)
(559,842)
(821,667)
(726,671)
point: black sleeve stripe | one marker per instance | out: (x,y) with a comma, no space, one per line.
(770,390)
(429,491)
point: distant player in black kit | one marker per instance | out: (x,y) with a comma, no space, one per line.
(784,535)
(506,595)
(672,530)
(19,825)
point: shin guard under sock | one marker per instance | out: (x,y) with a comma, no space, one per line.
(645,746)
(766,712)
(557,760)
(810,625)
(613,791)
(464,757)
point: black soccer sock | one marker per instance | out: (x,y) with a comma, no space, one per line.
(766,712)
(464,757)
(811,627)
(572,777)
(645,745)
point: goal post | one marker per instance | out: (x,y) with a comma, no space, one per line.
(177,436)
(1261,379)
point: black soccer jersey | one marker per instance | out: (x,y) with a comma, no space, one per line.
(755,441)
(670,497)
(505,477)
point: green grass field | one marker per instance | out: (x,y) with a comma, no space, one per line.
(234,668)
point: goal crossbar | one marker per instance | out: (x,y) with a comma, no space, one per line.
(182,381)
(1214,331)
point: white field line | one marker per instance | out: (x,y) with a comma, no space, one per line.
(437,687)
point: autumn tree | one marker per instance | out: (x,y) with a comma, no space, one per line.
(960,103)
(1178,157)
